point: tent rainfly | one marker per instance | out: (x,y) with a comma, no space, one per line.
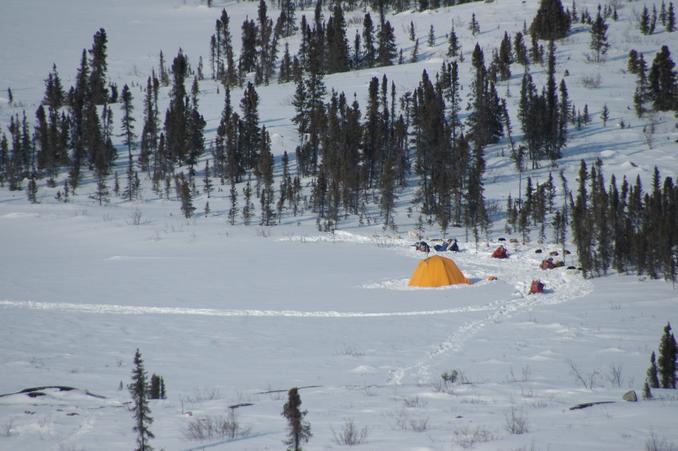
(437,271)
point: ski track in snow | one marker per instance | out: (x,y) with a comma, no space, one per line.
(139,310)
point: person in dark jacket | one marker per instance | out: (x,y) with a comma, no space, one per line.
(422,246)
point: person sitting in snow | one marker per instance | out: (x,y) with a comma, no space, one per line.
(454,247)
(500,252)
(444,246)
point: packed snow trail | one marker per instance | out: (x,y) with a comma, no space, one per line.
(519,270)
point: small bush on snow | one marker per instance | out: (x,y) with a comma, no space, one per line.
(350,434)
(466,437)
(516,421)
(655,443)
(210,427)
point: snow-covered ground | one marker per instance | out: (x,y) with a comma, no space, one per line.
(227,314)
(237,315)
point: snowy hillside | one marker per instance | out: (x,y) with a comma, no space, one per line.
(233,316)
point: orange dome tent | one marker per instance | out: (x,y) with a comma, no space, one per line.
(437,271)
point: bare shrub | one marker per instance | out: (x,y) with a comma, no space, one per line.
(655,443)
(587,380)
(136,218)
(419,424)
(210,427)
(524,376)
(516,421)
(532,447)
(539,404)
(415,402)
(386,241)
(6,428)
(64,447)
(350,434)
(474,400)
(350,350)
(616,377)
(467,437)
(650,129)
(591,81)
(400,418)
(448,379)
(493,207)
(404,422)
(354,20)
(203,394)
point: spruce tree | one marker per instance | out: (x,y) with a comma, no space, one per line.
(207,182)
(32,190)
(248,52)
(186,197)
(415,51)
(163,73)
(452,44)
(599,42)
(250,133)
(520,49)
(97,77)
(474,26)
(632,65)
(285,73)
(299,428)
(640,93)
(154,387)
(286,25)
(54,91)
(140,408)
(337,44)
(149,134)
(645,21)
(652,373)
(653,20)
(662,81)
(195,126)
(265,174)
(671,19)
(605,115)
(128,138)
(176,117)
(551,21)
(357,59)
(233,210)
(387,51)
(647,393)
(248,208)
(505,58)
(230,73)
(370,53)
(668,355)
